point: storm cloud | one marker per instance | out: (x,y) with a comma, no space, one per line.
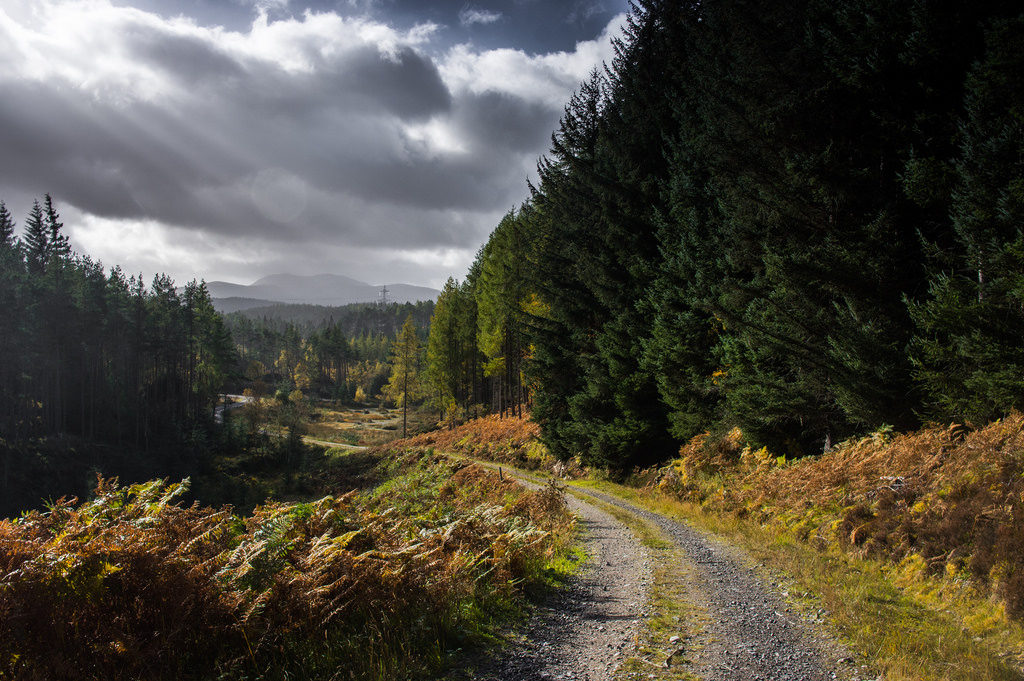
(342,136)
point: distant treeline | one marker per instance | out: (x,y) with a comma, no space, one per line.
(803,219)
(356,319)
(340,352)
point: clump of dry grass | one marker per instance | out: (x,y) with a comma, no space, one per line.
(948,500)
(132,585)
(512,440)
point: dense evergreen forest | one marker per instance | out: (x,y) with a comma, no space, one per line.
(99,357)
(802,219)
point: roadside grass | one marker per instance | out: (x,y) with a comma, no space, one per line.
(563,567)
(903,630)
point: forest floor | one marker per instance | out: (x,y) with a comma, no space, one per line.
(663,600)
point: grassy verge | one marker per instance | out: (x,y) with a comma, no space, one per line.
(366,426)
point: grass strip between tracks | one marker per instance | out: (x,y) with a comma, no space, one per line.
(670,612)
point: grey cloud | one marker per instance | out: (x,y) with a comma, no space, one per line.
(408,84)
(145,163)
(208,155)
(188,58)
(112,160)
(503,120)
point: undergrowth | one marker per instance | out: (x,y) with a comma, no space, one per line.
(910,543)
(915,540)
(509,440)
(384,584)
(940,502)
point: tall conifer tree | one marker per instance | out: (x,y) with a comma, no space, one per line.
(36,240)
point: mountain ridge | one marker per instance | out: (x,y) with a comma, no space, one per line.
(318,289)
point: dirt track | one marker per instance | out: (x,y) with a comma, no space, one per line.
(745,630)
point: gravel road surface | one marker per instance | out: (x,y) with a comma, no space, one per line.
(747,631)
(584,632)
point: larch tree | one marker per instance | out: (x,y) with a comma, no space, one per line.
(403,384)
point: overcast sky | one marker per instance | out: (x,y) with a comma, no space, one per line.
(231,139)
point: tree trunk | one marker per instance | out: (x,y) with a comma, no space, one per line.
(405,401)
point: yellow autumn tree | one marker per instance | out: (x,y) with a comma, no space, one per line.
(403,384)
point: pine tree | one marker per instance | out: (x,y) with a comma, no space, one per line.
(59,245)
(7,239)
(501,294)
(563,222)
(597,250)
(36,241)
(12,330)
(968,349)
(444,352)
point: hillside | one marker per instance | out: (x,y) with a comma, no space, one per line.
(235,304)
(318,289)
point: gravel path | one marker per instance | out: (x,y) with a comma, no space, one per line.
(585,631)
(747,631)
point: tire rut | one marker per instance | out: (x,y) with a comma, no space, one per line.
(590,626)
(747,631)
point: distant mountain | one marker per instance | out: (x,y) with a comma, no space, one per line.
(317,289)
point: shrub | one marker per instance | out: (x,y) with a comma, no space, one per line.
(510,440)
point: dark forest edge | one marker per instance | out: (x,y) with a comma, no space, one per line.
(814,238)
